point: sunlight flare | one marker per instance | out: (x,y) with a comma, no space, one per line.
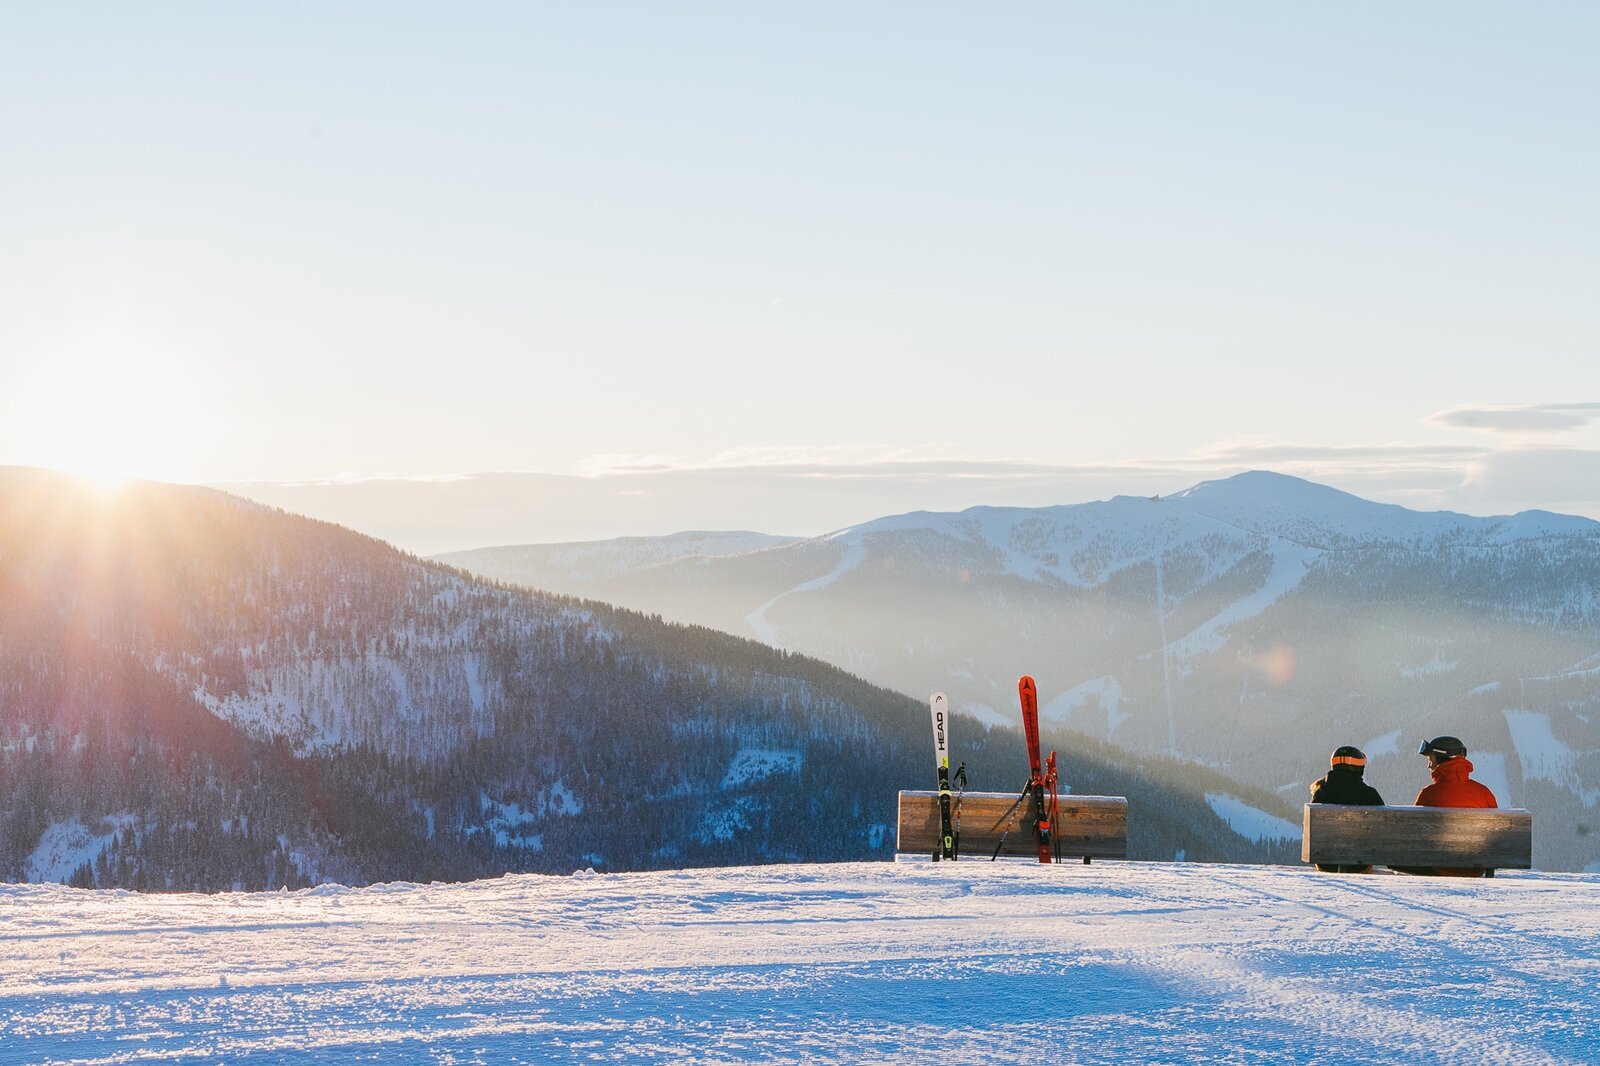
(107,414)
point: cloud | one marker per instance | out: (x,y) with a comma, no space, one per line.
(609,463)
(809,491)
(643,499)
(846,462)
(1518,418)
(798,460)
(346,477)
(1536,478)
(1272,452)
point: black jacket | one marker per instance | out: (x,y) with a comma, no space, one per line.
(1344,785)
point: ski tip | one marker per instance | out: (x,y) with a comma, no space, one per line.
(1025,683)
(937,699)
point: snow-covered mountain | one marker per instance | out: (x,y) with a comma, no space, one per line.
(200,692)
(1251,624)
(1115,963)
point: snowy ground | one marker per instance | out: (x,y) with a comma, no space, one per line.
(911,962)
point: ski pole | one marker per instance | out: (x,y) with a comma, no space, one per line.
(1004,820)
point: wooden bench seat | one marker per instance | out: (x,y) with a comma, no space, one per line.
(1090,827)
(1417,837)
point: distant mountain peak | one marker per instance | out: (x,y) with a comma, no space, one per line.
(1274,504)
(1265,485)
(1267,502)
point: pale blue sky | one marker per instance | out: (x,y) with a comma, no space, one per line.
(287,241)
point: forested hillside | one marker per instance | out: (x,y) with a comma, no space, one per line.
(198,692)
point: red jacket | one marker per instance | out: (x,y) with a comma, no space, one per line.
(1453,788)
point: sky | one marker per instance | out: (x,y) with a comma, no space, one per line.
(788,267)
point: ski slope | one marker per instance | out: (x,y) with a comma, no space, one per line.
(909,962)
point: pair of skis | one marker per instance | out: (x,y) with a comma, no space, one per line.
(1041,774)
(949,844)
(1042,779)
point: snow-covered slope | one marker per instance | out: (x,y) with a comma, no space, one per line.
(1291,507)
(969,962)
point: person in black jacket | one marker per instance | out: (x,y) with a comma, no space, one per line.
(1344,784)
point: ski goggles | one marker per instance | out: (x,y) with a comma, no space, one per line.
(1347,760)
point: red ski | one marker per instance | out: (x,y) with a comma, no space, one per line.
(1040,776)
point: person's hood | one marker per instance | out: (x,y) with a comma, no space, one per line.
(1457,769)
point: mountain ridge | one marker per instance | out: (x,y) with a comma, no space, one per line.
(1228,624)
(201,693)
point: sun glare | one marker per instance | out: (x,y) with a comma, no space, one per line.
(107,416)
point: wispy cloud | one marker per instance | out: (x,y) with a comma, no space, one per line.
(816,490)
(348,477)
(1547,478)
(809,458)
(857,462)
(1518,419)
(1270,452)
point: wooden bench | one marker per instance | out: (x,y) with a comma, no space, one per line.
(1090,827)
(1417,837)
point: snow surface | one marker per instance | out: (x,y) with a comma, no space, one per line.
(1106,691)
(753,765)
(1250,822)
(1304,511)
(1542,754)
(1489,767)
(726,820)
(767,633)
(1081,545)
(426,702)
(506,822)
(986,715)
(1290,564)
(1221,521)
(1388,744)
(67,845)
(882,962)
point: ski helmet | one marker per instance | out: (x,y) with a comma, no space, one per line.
(1443,747)
(1348,755)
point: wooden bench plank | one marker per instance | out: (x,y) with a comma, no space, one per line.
(1088,826)
(1417,836)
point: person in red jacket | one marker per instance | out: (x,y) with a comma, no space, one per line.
(1452,786)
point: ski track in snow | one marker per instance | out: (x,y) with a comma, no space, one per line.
(1542,755)
(767,633)
(1116,963)
(1290,564)
(1251,822)
(1107,690)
